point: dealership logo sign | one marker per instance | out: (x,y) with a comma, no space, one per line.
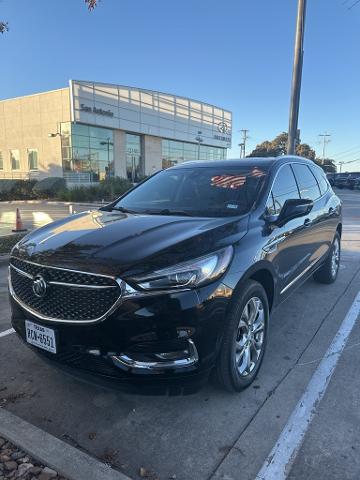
(97,111)
(224,128)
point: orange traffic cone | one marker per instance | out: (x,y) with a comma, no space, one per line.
(19,227)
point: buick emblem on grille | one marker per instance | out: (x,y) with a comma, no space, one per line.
(39,286)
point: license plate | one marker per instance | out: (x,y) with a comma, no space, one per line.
(40,336)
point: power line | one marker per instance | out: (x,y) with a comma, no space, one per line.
(346,155)
(346,163)
(346,152)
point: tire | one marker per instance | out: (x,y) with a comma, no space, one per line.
(328,272)
(239,360)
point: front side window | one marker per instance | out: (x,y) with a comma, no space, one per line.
(321,178)
(205,191)
(15,159)
(284,188)
(33,159)
(308,186)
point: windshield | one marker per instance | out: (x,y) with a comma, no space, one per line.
(204,191)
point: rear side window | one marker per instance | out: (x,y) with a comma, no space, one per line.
(321,178)
(308,185)
(284,188)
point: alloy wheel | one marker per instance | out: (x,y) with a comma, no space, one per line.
(250,336)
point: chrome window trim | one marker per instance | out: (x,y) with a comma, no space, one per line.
(325,178)
(316,180)
(277,173)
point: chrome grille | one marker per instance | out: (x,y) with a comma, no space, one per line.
(71,296)
(61,274)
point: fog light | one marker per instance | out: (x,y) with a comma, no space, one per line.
(169,360)
(173,355)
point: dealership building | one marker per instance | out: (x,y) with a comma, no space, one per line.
(90,131)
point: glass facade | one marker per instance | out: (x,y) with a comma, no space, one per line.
(33,158)
(15,159)
(87,150)
(88,153)
(134,159)
(174,152)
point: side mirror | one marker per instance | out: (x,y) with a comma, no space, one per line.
(292,208)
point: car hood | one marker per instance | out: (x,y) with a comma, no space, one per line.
(115,242)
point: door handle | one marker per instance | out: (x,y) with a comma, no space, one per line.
(307,222)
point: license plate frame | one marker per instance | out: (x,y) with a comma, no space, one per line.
(40,336)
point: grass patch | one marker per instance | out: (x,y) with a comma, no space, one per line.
(8,241)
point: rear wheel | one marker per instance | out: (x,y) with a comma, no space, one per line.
(328,272)
(245,338)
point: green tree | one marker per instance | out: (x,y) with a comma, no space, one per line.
(328,165)
(278,146)
(304,150)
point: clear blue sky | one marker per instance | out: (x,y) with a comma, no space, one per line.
(234,53)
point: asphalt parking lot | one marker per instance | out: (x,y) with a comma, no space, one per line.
(212,434)
(35,213)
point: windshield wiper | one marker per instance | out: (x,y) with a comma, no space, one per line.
(119,209)
(166,211)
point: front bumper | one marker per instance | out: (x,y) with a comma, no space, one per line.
(153,344)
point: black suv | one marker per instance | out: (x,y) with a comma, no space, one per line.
(177,278)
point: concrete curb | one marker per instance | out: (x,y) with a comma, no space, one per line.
(54,453)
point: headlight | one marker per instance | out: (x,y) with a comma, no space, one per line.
(188,274)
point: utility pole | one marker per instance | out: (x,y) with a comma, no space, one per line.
(242,145)
(296,78)
(325,140)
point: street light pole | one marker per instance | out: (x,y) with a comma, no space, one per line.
(296,78)
(199,140)
(108,143)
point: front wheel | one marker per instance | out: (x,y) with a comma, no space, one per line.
(328,272)
(245,338)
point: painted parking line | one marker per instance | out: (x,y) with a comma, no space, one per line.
(279,462)
(7,332)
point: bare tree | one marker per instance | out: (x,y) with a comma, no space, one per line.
(91,4)
(3,27)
